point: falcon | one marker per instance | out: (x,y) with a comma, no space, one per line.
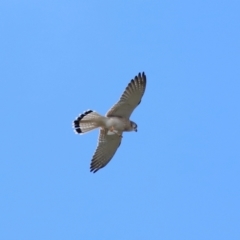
(113,124)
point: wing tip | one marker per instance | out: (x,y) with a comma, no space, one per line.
(94,169)
(142,76)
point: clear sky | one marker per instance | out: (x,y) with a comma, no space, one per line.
(178,177)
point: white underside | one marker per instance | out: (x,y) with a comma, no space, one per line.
(117,123)
(111,132)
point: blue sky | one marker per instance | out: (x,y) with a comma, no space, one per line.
(177,177)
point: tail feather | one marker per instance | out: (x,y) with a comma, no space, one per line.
(87,121)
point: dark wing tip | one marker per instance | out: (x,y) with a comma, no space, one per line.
(142,76)
(94,168)
(95,165)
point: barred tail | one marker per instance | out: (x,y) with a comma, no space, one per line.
(87,121)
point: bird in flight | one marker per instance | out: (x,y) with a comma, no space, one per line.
(113,124)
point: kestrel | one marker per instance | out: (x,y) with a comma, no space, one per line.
(113,124)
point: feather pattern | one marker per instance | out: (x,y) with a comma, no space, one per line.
(107,146)
(113,124)
(87,121)
(130,98)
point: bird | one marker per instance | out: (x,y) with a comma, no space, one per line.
(113,124)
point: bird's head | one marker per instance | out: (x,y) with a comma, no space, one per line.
(134,126)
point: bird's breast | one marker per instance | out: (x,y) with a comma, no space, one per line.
(117,123)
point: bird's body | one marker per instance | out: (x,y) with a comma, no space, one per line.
(113,124)
(119,124)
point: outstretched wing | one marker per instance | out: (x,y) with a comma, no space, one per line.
(107,146)
(130,98)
